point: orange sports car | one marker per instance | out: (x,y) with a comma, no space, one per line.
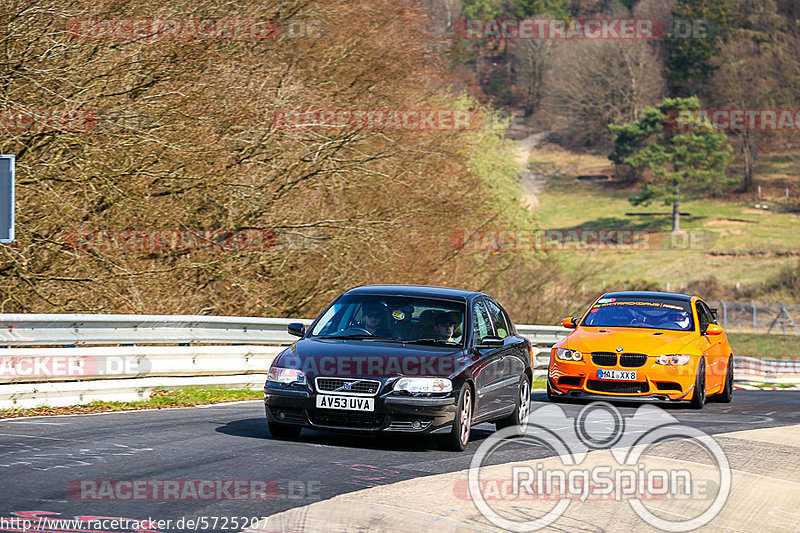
(643,346)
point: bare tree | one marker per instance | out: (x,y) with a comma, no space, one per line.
(532,61)
(597,83)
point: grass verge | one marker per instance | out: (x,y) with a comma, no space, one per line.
(160,398)
(775,346)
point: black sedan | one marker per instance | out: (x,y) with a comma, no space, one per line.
(404,358)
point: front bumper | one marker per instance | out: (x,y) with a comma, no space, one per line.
(407,414)
(654,383)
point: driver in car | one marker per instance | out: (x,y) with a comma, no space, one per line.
(374,320)
(444,327)
(678,318)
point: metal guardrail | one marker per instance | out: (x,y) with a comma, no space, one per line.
(84,330)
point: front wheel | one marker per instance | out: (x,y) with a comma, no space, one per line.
(519,417)
(699,396)
(458,437)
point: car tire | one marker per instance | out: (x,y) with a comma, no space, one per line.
(727,390)
(283,431)
(519,417)
(699,394)
(458,437)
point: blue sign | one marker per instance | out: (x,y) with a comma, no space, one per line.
(6,198)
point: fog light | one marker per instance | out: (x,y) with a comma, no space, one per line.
(416,424)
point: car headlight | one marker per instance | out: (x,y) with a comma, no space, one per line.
(423,385)
(568,355)
(674,359)
(287,376)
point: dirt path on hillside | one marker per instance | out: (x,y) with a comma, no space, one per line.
(532,183)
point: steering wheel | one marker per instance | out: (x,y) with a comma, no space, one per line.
(355,330)
(638,319)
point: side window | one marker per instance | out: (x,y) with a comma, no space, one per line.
(498,319)
(704,313)
(482,325)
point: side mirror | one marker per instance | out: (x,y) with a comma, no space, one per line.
(298,329)
(569,322)
(713,329)
(491,342)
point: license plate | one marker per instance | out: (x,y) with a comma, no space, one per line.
(350,403)
(619,375)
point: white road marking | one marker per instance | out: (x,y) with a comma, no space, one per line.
(39,423)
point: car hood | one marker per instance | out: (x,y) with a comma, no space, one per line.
(371,359)
(631,340)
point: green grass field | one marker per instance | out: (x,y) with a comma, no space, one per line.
(734,241)
(772,346)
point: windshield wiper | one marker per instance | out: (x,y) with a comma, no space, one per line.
(444,342)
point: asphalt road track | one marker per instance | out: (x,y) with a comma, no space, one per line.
(40,457)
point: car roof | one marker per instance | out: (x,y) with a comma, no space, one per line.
(649,294)
(427,291)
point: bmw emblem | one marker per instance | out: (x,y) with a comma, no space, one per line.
(619,349)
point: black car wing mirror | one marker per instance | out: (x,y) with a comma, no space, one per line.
(298,329)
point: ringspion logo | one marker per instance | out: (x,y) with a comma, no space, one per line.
(599,455)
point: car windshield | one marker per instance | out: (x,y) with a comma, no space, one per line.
(393,318)
(640,313)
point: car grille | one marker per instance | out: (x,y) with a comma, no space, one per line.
(348,386)
(632,387)
(604,358)
(632,360)
(319,417)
